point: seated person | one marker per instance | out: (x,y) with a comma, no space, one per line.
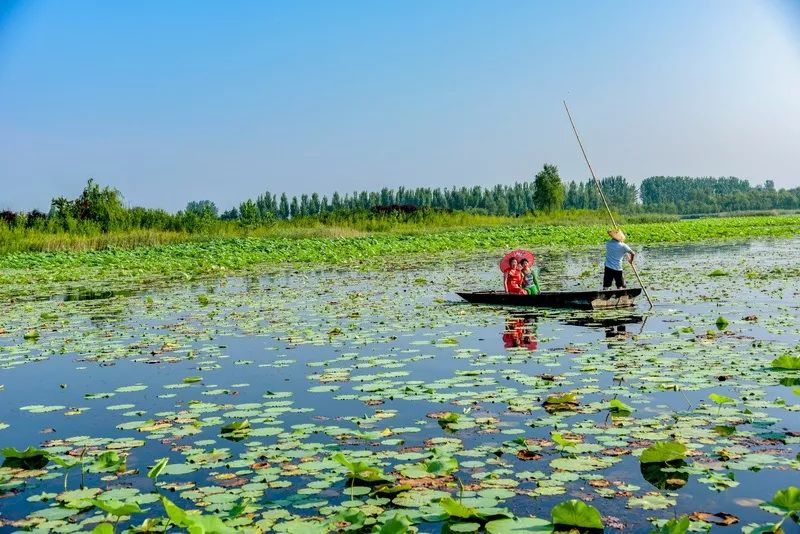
(530,278)
(513,279)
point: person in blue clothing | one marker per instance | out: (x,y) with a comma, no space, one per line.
(616,250)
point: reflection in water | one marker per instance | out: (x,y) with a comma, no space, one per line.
(665,475)
(616,332)
(520,332)
(82,293)
(616,327)
(604,321)
(520,327)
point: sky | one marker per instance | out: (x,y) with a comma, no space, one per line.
(187,100)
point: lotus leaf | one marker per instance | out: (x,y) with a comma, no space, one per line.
(787,362)
(575,513)
(665,451)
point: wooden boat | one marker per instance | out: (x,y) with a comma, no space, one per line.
(586,300)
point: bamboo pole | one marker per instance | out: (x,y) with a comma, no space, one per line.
(603,197)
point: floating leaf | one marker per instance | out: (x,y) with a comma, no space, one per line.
(31,335)
(617,406)
(721,399)
(562,398)
(786,361)
(519,525)
(397,524)
(720,518)
(674,526)
(441,464)
(360,470)
(109,461)
(454,508)
(117,508)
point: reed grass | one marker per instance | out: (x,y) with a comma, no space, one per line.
(32,240)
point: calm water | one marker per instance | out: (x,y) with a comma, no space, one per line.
(321,361)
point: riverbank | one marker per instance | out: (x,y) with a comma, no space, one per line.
(87,238)
(23,273)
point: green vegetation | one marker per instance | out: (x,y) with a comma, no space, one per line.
(345,224)
(19,270)
(98,217)
(575,513)
(548,191)
(192,426)
(667,451)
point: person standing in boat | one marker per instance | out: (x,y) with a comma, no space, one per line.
(616,251)
(513,279)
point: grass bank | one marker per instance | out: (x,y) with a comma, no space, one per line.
(339,225)
(25,273)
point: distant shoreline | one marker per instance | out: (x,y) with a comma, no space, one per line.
(31,273)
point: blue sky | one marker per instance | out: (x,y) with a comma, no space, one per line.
(182,100)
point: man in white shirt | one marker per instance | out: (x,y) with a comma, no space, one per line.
(616,250)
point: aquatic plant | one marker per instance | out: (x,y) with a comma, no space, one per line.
(576,514)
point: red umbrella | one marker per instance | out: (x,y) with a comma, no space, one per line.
(519,254)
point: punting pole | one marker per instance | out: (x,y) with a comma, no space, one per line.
(603,197)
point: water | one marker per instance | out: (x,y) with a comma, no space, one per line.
(322,361)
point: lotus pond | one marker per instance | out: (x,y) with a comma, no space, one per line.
(333,400)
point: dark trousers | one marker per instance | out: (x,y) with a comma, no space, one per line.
(613,275)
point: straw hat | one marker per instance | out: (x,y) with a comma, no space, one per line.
(617,234)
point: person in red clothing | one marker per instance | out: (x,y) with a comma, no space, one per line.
(513,279)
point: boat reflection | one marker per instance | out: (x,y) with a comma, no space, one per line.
(616,327)
(520,328)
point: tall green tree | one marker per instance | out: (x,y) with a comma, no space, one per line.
(336,201)
(619,194)
(283,207)
(549,192)
(202,208)
(248,213)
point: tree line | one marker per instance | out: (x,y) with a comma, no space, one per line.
(102,208)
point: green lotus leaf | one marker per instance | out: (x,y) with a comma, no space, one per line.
(235,426)
(721,399)
(30,458)
(575,513)
(30,452)
(787,499)
(665,451)
(678,525)
(519,525)
(397,524)
(454,508)
(791,363)
(353,518)
(109,461)
(117,508)
(617,406)
(441,464)
(157,468)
